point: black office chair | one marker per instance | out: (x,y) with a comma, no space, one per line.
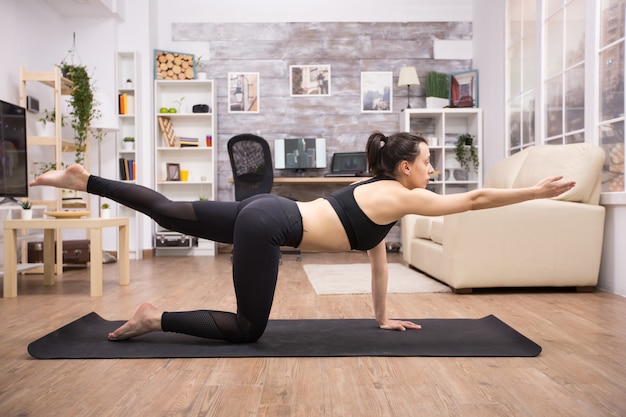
(253,171)
(251,162)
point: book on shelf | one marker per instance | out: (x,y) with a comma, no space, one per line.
(126,104)
(188,142)
(128,169)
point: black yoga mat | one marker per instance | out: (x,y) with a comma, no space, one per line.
(86,338)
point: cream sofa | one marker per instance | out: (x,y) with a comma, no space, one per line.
(539,243)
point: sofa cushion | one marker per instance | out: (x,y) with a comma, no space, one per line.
(436,230)
(422,227)
(580,162)
(504,172)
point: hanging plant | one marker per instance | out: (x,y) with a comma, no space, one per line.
(466,152)
(84,110)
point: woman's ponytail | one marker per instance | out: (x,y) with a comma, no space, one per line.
(385,153)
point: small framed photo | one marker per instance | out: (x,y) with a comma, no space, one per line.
(464,89)
(173,172)
(376,91)
(309,80)
(243,92)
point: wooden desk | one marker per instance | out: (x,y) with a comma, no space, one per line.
(314,180)
(317,180)
(50,227)
(309,188)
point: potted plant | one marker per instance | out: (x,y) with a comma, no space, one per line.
(180,105)
(27,213)
(437,90)
(84,109)
(105,213)
(201,73)
(466,152)
(128,143)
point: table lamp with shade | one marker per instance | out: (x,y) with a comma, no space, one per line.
(408,77)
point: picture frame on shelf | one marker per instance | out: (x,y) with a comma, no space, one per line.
(376,91)
(464,89)
(173,172)
(243,92)
(309,80)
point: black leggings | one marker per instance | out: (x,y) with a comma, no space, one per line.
(256,226)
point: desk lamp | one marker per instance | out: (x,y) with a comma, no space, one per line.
(408,77)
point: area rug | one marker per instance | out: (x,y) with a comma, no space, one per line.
(329,279)
(85,338)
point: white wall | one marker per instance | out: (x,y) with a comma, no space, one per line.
(489,49)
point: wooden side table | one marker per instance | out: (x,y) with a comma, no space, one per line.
(50,228)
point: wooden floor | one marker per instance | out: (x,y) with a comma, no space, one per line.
(581,371)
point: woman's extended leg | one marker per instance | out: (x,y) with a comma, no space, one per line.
(264,223)
(217,222)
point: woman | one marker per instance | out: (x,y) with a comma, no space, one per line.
(355,217)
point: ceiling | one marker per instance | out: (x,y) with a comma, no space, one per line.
(85,8)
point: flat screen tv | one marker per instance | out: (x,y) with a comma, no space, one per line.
(300,153)
(13,161)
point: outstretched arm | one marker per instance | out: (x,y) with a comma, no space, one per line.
(431,204)
(380,275)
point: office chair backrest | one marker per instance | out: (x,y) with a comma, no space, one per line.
(251,162)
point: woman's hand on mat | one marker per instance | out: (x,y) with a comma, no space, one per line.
(400,325)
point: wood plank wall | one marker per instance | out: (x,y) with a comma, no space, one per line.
(349,48)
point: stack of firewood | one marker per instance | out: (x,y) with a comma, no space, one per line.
(174,66)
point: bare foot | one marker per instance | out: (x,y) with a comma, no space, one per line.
(147,319)
(74,178)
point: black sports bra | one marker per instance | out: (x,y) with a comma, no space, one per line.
(362,232)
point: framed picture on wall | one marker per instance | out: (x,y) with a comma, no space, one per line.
(464,89)
(243,92)
(376,91)
(173,172)
(309,80)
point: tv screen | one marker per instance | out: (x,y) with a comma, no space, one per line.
(13,162)
(300,153)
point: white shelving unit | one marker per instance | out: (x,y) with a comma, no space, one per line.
(442,127)
(127,79)
(199,162)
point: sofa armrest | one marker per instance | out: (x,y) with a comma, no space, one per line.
(528,242)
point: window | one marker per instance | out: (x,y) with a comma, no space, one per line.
(521,56)
(564,71)
(611,92)
(560,54)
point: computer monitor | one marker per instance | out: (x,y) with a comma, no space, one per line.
(299,153)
